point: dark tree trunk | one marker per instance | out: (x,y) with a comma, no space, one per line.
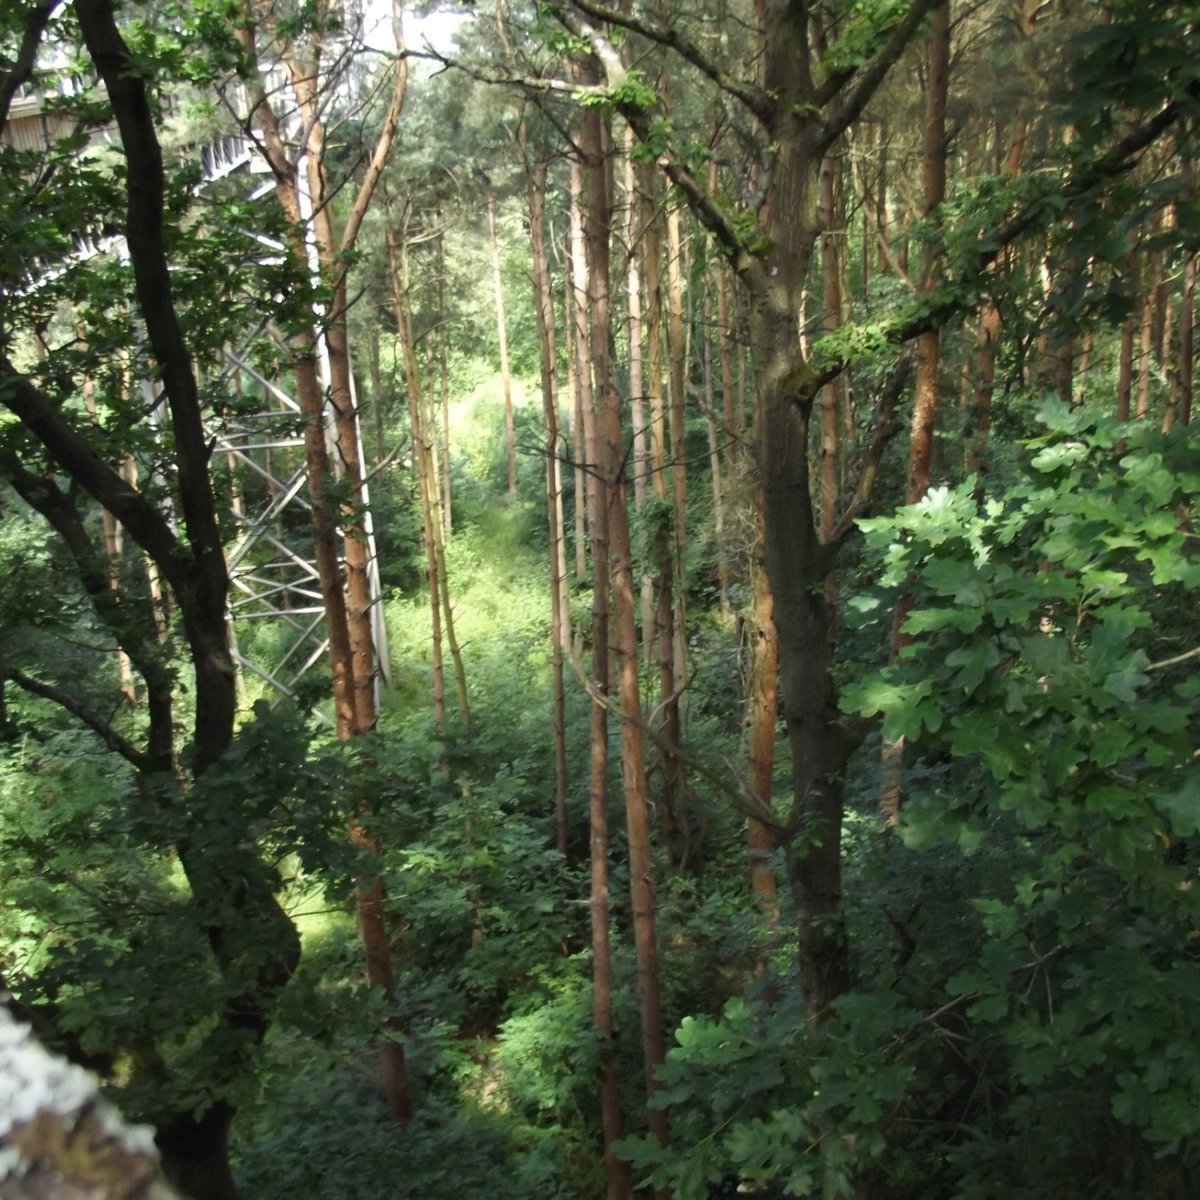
(195,1153)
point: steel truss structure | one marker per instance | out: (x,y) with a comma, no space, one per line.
(276,617)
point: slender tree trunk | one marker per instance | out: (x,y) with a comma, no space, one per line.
(595,145)
(356,714)
(1146,338)
(399,283)
(714,461)
(544,304)
(618,1184)
(666,522)
(510,444)
(1187,328)
(831,319)
(443,353)
(637,384)
(925,404)
(732,424)
(356,531)
(678,351)
(572,301)
(1125,350)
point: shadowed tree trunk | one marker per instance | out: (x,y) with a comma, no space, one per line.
(616,1169)
(232,890)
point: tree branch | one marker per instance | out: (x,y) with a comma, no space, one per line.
(144,233)
(47,691)
(205,591)
(58,508)
(383,144)
(72,452)
(1163,664)
(869,78)
(732,244)
(754,99)
(956,297)
(886,427)
(21,71)
(747,801)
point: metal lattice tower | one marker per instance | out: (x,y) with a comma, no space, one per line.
(273,575)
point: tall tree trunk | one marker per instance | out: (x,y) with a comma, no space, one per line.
(544,306)
(443,355)
(510,444)
(637,382)
(678,355)
(234,894)
(831,319)
(332,253)
(925,404)
(1146,331)
(398,277)
(714,461)
(618,1185)
(595,144)
(358,715)
(665,523)
(572,300)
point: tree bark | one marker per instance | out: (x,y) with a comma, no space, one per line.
(616,1169)
(544,307)
(398,278)
(595,144)
(359,715)
(510,444)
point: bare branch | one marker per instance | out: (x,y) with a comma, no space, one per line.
(48,691)
(1163,664)
(886,427)
(868,80)
(74,454)
(536,85)
(754,99)
(744,798)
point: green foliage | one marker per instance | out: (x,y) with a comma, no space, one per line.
(864,26)
(110,945)
(759,1094)
(1068,733)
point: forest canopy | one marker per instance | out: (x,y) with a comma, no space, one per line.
(601,599)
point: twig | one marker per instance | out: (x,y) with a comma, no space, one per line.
(1163,664)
